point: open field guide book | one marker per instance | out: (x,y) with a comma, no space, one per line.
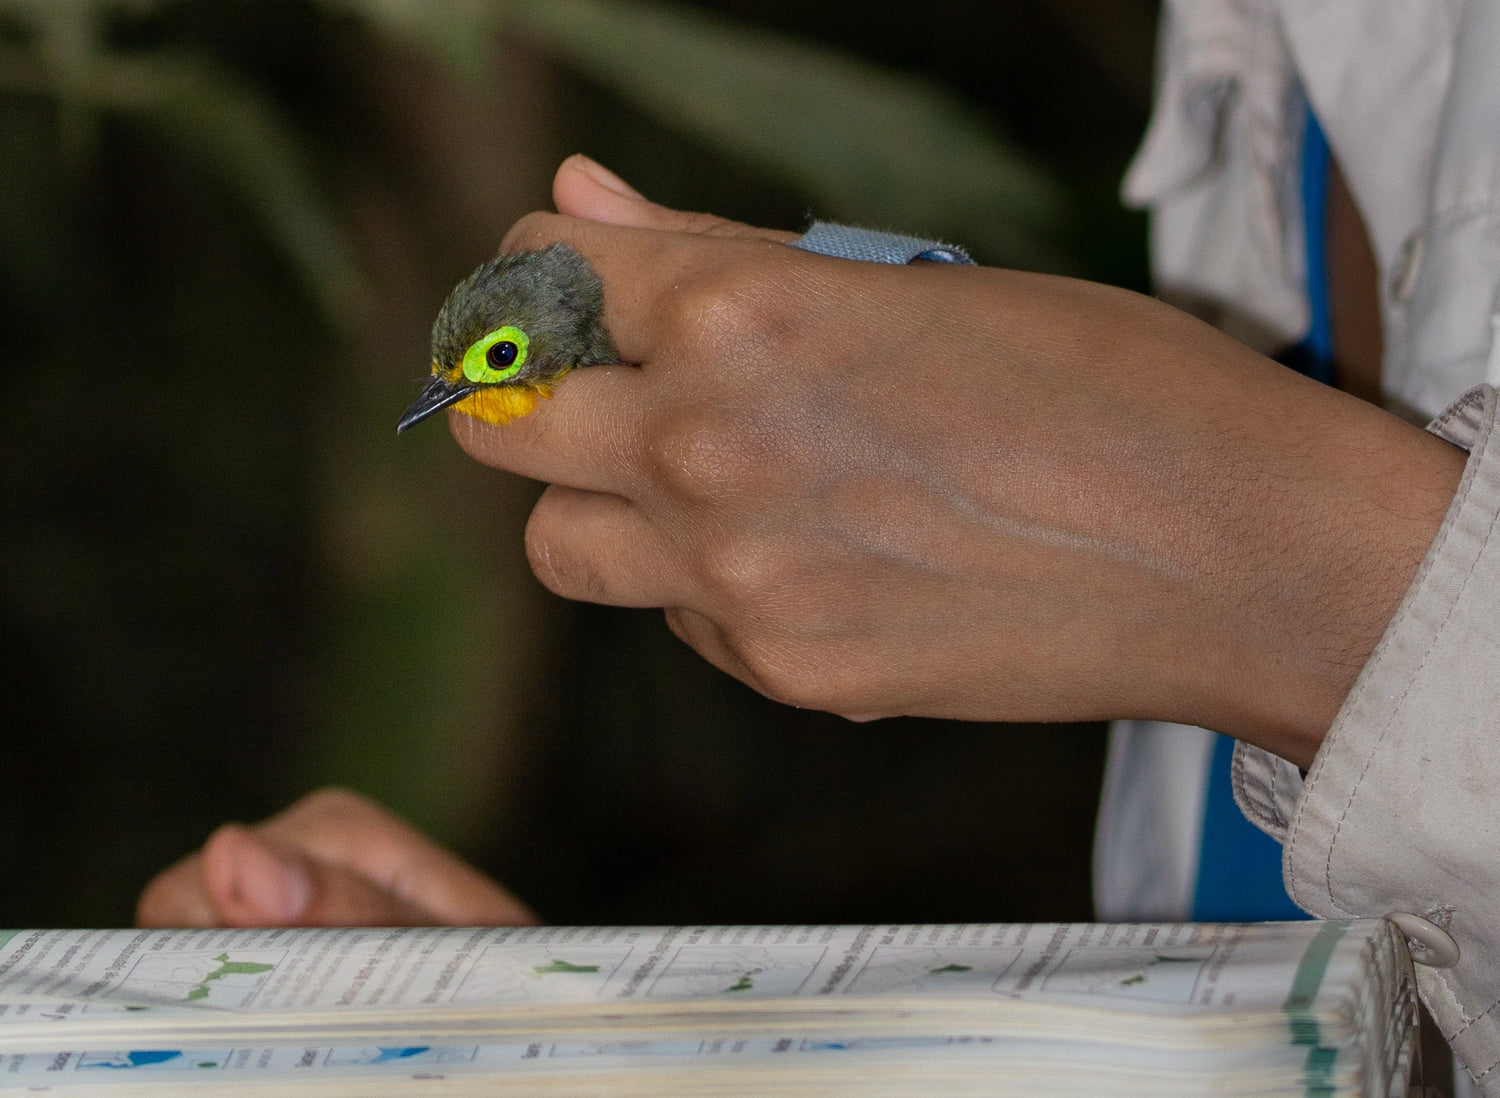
(1315,1008)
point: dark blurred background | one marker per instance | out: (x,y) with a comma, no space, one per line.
(225,226)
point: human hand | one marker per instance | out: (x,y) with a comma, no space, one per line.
(333,858)
(961,492)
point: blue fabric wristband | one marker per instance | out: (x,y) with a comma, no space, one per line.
(872,246)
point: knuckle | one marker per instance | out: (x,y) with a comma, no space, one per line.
(810,665)
(726,307)
(809,685)
(790,667)
(705,224)
(682,624)
(781,671)
(743,573)
(704,457)
(686,311)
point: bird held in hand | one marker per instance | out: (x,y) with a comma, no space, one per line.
(510,331)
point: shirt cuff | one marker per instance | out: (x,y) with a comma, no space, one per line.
(1398,812)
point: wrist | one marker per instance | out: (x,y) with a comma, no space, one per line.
(1339,505)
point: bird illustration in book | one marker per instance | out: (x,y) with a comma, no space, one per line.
(509,332)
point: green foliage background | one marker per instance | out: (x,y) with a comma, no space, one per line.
(224,229)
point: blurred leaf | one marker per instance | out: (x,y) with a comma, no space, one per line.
(888,149)
(884,148)
(458,33)
(208,111)
(69,39)
(864,143)
(67,34)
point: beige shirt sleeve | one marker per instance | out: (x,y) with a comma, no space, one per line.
(1401,809)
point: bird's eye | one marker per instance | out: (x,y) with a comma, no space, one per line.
(497,356)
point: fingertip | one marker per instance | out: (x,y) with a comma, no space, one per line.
(586,189)
(597,173)
(475,438)
(249,882)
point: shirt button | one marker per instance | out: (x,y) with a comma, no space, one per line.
(1430,945)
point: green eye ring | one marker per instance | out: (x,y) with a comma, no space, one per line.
(497,356)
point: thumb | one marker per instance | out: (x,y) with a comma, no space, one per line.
(586,189)
(252,880)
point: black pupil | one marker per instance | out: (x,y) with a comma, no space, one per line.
(501,354)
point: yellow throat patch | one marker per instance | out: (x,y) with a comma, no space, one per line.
(497,404)
(502,403)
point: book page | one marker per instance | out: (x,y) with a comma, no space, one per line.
(403,1001)
(1205,965)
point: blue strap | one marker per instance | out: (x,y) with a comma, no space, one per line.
(872,246)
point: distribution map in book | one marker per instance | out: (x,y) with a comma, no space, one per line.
(1295,1008)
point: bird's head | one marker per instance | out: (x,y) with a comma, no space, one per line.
(510,331)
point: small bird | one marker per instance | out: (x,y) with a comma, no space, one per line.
(510,331)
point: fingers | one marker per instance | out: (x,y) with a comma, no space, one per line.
(243,877)
(670,278)
(600,548)
(586,189)
(644,252)
(343,829)
(176,897)
(586,436)
(707,638)
(657,278)
(332,859)
(252,880)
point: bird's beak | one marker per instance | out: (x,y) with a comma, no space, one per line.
(437,396)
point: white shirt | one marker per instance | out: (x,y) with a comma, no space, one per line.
(1401,809)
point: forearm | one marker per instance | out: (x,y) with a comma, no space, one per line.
(1208,537)
(1308,520)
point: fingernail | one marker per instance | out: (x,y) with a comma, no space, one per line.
(276,888)
(604,177)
